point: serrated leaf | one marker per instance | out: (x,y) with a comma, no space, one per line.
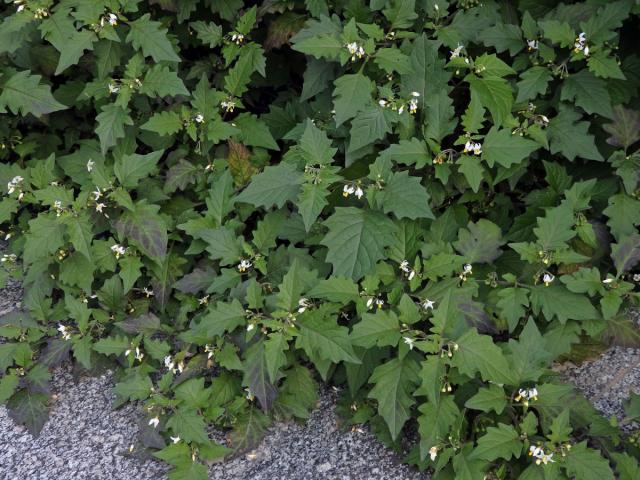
(405,197)
(130,169)
(29,409)
(321,335)
(502,441)
(533,82)
(160,81)
(587,464)
(408,152)
(352,95)
(506,149)
(393,384)
(149,36)
(480,242)
(478,353)
(491,398)
(367,127)
(163,123)
(495,94)
(188,425)
(570,137)
(146,229)
(22,93)
(556,301)
(275,186)
(381,328)
(588,92)
(356,240)
(111,122)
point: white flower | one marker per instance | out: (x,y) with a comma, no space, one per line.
(455,53)
(412,274)
(148,292)
(228,105)
(433,453)
(375,301)
(532,44)
(180,366)
(527,394)
(415,94)
(168,362)
(199,118)
(409,341)
(118,250)
(175,439)
(154,422)
(370,302)
(580,44)
(404,266)
(64,331)
(607,281)
(244,265)
(382,103)
(413,105)
(348,190)
(237,38)
(112,18)
(11,258)
(636,277)
(467,268)
(90,164)
(100,207)
(113,88)
(208,350)
(58,206)
(204,300)
(97,194)
(473,147)
(540,456)
(547,278)
(251,326)
(359,193)
(139,354)
(401,109)
(355,50)
(14,183)
(379,302)
(303,304)
(20,8)
(427,304)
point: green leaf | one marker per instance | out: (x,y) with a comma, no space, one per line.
(275,186)
(624,215)
(80,234)
(478,353)
(356,240)
(22,93)
(222,244)
(585,463)
(115,345)
(111,122)
(130,169)
(571,138)
(316,146)
(367,127)
(136,387)
(408,152)
(480,242)
(626,254)
(222,318)
(604,66)
(512,305)
(502,441)
(322,336)
(188,425)
(160,81)
(439,116)
(163,123)
(208,33)
(558,32)
(506,149)
(351,96)
(325,45)
(503,36)
(146,229)
(625,128)
(495,94)
(405,197)
(392,60)
(381,328)
(29,409)
(428,73)
(534,82)
(555,229)
(556,301)
(335,289)
(311,202)
(151,38)
(491,398)
(394,382)
(588,92)
(472,170)
(251,60)
(256,376)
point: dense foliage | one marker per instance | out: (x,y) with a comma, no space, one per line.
(425,202)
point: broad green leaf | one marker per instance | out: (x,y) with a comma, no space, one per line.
(356,240)
(160,81)
(275,186)
(188,425)
(585,463)
(335,289)
(111,122)
(367,127)
(22,93)
(352,95)
(130,169)
(556,301)
(222,244)
(381,328)
(149,36)
(408,152)
(502,441)
(533,82)
(480,242)
(311,202)
(394,382)
(491,398)
(405,197)
(571,138)
(495,94)
(163,123)
(146,229)
(588,92)
(555,229)
(478,353)
(29,409)
(505,148)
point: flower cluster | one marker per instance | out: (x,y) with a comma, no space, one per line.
(244,265)
(304,304)
(408,271)
(64,331)
(352,189)
(356,51)
(532,45)
(375,301)
(473,147)
(14,184)
(237,38)
(526,394)
(540,456)
(228,106)
(580,44)
(110,19)
(118,250)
